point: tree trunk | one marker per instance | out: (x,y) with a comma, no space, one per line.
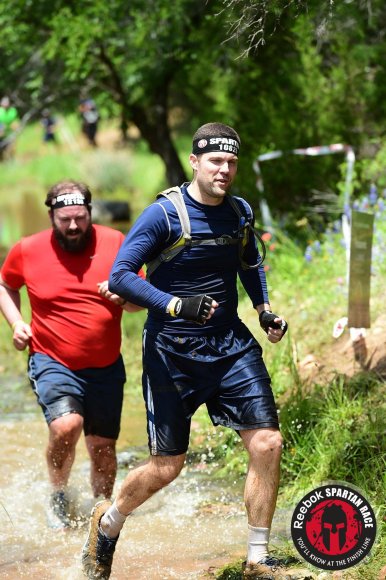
(151,121)
(154,128)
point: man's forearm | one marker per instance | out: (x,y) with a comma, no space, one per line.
(10,304)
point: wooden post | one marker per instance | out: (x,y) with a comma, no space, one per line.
(362,225)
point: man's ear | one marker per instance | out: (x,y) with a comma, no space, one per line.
(193,161)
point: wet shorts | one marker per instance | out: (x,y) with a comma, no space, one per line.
(225,371)
(94,393)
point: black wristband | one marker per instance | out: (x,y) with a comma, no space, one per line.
(195,308)
(267,318)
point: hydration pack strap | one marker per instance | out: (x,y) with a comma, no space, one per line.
(245,228)
(174,194)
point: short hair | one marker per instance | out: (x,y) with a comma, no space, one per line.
(68,186)
(216,130)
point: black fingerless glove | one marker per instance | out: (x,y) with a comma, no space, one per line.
(195,308)
(266,319)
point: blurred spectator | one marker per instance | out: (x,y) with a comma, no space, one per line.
(90,117)
(8,123)
(49,123)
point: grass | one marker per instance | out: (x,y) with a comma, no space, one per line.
(331,431)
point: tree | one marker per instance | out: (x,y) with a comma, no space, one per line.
(129,54)
(285,73)
(307,75)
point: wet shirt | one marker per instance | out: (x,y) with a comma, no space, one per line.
(71,322)
(206,269)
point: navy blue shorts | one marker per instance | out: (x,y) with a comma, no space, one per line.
(94,393)
(225,371)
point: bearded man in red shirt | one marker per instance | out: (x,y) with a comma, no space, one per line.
(74,338)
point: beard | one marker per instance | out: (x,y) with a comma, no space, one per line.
(75,245)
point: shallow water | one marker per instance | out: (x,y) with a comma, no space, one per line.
(181,532)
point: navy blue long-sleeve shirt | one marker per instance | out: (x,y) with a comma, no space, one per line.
(206,269)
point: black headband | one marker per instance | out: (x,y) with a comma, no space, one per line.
(223,144)
(68,199)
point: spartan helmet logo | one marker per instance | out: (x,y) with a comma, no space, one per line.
(334,528)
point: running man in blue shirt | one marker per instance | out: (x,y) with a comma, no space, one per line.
(195,347)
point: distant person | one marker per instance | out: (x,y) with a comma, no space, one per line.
(90,118)
(75,366)
(48,122)
(196,350)
(9,120)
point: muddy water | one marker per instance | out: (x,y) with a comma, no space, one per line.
(183,531)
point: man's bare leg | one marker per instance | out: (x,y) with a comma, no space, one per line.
(144,481)
(264,449)
(64,433)
(140,484)
(103,464)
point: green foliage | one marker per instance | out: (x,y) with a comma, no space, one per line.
(316,78)
(335,433)
(373,169)
(326,56)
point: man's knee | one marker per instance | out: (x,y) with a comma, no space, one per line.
(66,429)
(100,448)
(165,469)
(264,442)
(272,440)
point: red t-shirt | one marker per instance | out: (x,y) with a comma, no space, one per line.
(71,322)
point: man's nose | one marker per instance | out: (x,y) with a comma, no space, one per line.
(73,225)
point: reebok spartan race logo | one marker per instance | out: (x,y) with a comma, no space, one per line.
(333,527)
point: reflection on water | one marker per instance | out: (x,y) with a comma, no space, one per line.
(181,532)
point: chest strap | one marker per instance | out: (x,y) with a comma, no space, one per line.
(174,194)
